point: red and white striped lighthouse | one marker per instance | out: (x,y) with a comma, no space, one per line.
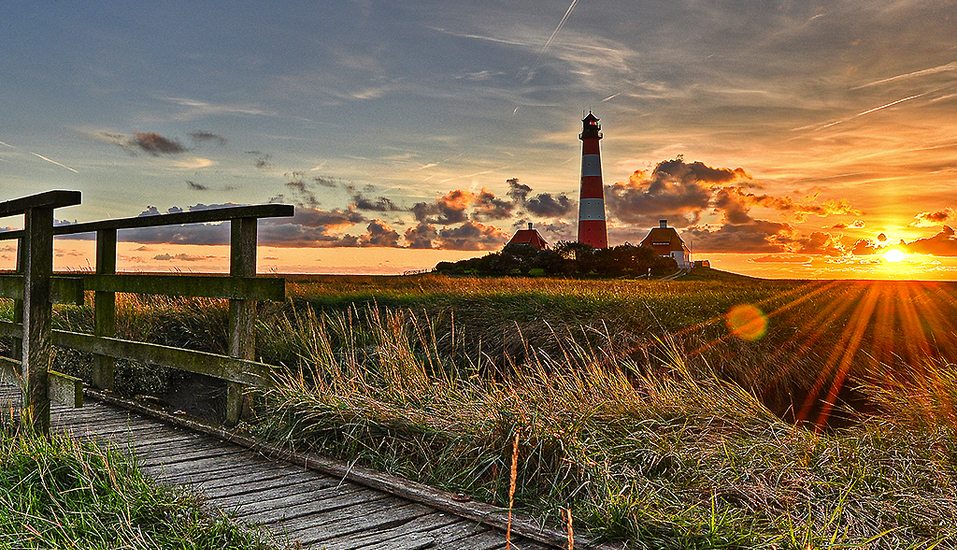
(591,204)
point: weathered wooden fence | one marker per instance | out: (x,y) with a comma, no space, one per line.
(34,287)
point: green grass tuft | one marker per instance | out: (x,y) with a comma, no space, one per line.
(62,493)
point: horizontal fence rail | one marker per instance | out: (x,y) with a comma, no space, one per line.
(35,288)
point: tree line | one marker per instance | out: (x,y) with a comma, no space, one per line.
(572,259)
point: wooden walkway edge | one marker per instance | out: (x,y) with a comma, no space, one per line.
(313,501)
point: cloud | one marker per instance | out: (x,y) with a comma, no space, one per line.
(446,210)
(182,257)
(753,237)
(941,244)
(675,190)
(820,243)
(787,206)
(201,137)
(421,236)
(488,207)
(543,205)
(472,236)
(865,247)
(156,145)
(379,204)
(683,192)
(379,234)
(262,160)
(196,186)
(856,224)
(310,228)
(775,259)
(148,142)
(925,219)
(195,163)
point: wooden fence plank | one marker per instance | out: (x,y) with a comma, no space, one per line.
(219,366)
(63,290)
(48,200)
(180,218)
(201,286)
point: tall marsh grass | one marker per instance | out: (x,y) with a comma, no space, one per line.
(664,455)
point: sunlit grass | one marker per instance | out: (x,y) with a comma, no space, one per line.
(664,457)
(649,409)
(61,493)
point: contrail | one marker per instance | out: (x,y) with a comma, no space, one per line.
(892,103)
(867,112)
(55,162)
(548,42)
(933,70)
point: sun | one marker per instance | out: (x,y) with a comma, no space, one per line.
(895,255)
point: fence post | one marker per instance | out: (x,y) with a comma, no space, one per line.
(37,315)
(242,313)
(104,307)
(17,351)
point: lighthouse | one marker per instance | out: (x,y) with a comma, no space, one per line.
(591,204)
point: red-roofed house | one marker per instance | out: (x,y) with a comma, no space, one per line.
(530,237)
(666,242)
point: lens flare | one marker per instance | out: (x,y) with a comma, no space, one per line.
(746,322)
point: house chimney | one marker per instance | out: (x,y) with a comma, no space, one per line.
(529,226)
(663,223)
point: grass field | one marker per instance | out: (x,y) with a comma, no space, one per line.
(60,493)
(711,412)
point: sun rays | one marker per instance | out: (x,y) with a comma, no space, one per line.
(844,334)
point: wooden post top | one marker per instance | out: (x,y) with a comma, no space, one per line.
(49,199)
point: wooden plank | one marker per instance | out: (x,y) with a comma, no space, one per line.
(325,498)
(65,389)
(308,487)
(342,498)
(486,540)
(48,200)
(406,534)
(63,290)
(342,523)
(235,475)
(180,218)
(218,366)
(251,487)
(189,454)
(61,388)
(212,463)
(202,286)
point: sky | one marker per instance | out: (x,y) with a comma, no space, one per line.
(782,139)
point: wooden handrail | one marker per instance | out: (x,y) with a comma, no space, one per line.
(50,199)
(34,287)
(179,218)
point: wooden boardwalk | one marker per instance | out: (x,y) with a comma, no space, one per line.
(293,503)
